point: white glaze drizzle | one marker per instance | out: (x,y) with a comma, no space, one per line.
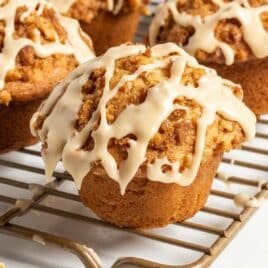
(118,7)
(244,200)
(39,239)
(65,5)
(62,5)
(75,44)
(204,37)
(23,204)
(64,142)
(225,178)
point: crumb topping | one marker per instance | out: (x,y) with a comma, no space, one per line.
(177,134)
(137,109)
(229,31)
(36,49)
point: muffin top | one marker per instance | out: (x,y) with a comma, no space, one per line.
(86,10)
(221,31)
(153,112)
(38,48)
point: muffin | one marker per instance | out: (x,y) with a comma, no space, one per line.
(108,22)
(229,36)
(142,131)
(38,48)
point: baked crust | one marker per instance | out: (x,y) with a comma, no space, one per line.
(14,120)
(148,204)
(107,30)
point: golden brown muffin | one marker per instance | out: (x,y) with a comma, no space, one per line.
(229,36)
(142,131)
(37,51)
(108,22)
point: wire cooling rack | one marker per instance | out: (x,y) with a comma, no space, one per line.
(201,239)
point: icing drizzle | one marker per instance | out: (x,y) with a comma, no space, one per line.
(62,5)
(65,142)
(244,200)
(75,44)
(204,37)
(65,5)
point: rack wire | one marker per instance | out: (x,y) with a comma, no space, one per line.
(40,193)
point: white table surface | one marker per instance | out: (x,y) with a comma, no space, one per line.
(250,248)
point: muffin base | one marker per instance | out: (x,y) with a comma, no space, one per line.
(253,77)
(148,204)
(108,30)
(14,121)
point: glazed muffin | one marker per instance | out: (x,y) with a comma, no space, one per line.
(38,48)
(229,36)
(108,22)
(142,132)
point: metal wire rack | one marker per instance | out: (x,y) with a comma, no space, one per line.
(39,193)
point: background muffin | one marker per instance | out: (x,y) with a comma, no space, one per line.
(143,132)
(108,22)
(229,36)
(38,48)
